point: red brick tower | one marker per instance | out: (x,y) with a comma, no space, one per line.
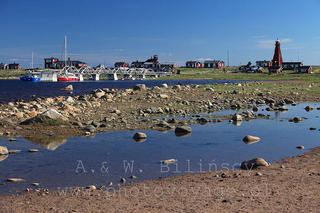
(277,59)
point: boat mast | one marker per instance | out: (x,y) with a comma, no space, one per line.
(65,51)
(32,60)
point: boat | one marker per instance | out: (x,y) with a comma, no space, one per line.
(70,77)
(31,77)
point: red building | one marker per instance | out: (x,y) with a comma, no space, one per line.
(277,60)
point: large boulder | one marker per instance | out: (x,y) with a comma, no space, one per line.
(139,136)
(3,150)
(50,116)
(249,139)
(254,164)
(183,130)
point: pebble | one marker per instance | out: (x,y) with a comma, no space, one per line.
(91,187)
(300,147)
(15,180)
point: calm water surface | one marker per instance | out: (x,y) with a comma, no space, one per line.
(11,90)
(219,143)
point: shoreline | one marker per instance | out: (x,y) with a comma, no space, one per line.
(263,189)
(141,108)
(144,108)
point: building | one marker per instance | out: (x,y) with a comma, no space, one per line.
(264,64)
(194,64)
(151,63)
(215,64)
(291,65)
(137,64)
(277,61)
(14,66)
(304,69)
(55,63)
(121,65)
(4,66)
(167,67)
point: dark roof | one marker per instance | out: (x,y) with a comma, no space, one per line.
(213,61)
(294,62)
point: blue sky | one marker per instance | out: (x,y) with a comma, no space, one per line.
(105,31)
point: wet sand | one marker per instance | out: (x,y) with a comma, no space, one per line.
(291,185)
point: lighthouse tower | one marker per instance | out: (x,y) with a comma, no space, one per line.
(277,60)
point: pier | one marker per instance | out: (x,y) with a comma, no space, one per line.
(104,73)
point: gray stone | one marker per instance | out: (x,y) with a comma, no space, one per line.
(249,139)
(140,136)
(183,130)
(254,163)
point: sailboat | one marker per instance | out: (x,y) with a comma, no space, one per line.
(31,76)
(66,76)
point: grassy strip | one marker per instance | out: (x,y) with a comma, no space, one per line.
(231,74)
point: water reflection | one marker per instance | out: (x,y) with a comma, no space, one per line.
(237,123)
(48,142)
(183,134)
(3,157)
(140,140)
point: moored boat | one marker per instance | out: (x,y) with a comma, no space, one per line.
(68,78)
(30,77)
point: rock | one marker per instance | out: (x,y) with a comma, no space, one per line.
(259,174)
(3,150)
(69,88)
(140,87)
(15,180)
(12,139)
(313,128)
(210,89)
(19,115)
(308,108)
(163,96)
(99,94)
(14,151)
(139,136)
(123,180)
(164,125)
(46,117)
(202,120)
(35,184)
(296,120)
(91,187)
(164,85)
(300,147)
(33,150)
(169,161)
(90,128)
(237,117)
(249,139)
(70,100)
(177,87)
(183,130)
(254,163)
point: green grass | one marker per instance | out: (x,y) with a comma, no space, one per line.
(232,74)
(7,74)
